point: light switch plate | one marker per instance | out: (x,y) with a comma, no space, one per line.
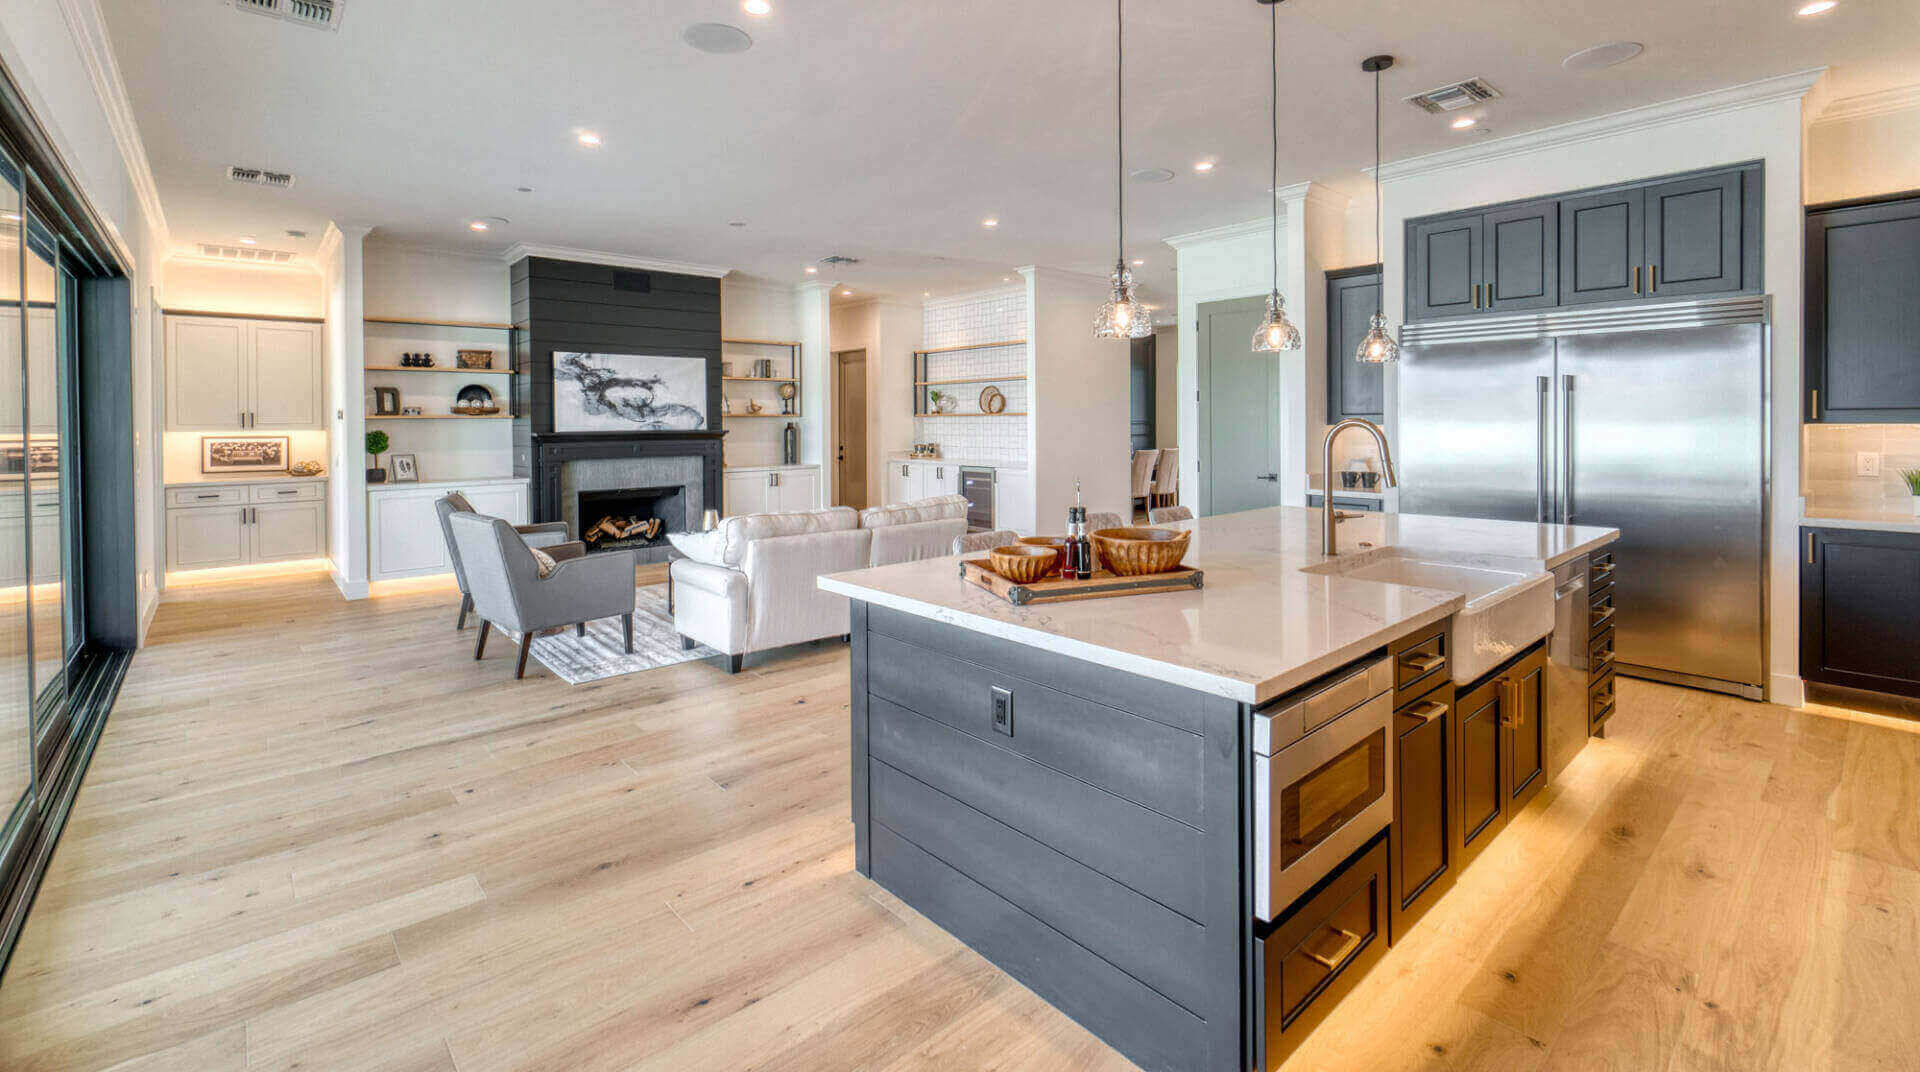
(1866,463)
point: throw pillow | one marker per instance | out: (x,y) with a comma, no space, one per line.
(707,548)
(543,561)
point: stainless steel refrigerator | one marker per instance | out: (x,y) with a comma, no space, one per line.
(1650,420)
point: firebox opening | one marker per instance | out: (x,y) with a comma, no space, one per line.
(631,517)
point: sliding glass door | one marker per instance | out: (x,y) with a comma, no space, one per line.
(17,797)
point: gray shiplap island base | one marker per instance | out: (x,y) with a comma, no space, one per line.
(1067,788)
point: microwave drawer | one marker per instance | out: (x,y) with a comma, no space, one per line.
(1319,799)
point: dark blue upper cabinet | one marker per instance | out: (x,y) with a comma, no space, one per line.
(1863,312)
(1664,238)
(1353,389)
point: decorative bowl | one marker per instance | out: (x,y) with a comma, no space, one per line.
(1023,563)
(1058,543)
(1134,552)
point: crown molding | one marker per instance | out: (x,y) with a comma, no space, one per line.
(612,260)
(89,29)
(1869,105)
(1221,234)
(300,265)
(378,243)
(1715,102)
(998,290)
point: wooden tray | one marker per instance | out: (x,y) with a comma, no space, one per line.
(1100,586)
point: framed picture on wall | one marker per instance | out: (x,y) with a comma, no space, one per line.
(243,454)
(628,393)
(406,470)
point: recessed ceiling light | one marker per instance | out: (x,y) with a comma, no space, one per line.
(248,240)
(1152,175)
(1818,7)
(1203,166)
(811,270)
(757,7)
(478,225)
(589,139)
(1138,263)
(716,37)
(1600,56)
(1464,122)
(1006,279)
(990,221)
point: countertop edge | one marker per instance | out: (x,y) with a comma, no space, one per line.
(1595,544)
(1893,523)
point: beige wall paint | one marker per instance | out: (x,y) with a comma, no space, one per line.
(206,286)
(1078,398)
(1863,156)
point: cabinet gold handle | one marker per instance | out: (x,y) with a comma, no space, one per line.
(1349,942)
(1510,715)
(1601,573)
(1427,710)
(1809,548)
(1605,656)
(1421,662)
(1816,403)
(1653,279)
(1476,295)
(1636,279)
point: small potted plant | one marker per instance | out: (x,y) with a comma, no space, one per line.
(377,444)
(1912,477)
(933,401)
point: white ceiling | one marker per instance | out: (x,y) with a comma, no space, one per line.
(878,130)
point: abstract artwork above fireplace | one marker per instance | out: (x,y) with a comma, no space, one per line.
(628,393)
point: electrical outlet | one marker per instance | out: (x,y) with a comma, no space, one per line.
(1002,710)
(1866,463)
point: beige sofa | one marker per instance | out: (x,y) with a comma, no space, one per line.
(749,586)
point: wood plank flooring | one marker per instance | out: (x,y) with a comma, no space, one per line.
(317,835)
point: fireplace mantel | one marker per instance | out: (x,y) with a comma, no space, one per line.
(551,453)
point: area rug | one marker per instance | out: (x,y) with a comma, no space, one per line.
(602,653)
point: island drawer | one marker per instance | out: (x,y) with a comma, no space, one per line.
(273,493)
(1318,953)
(225,495)
(1419,662)
(1600,700)
(1599,570)
(1600,652)
(1601,613)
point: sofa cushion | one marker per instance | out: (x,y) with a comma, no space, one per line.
(738,532)
(941,508)
(708,548)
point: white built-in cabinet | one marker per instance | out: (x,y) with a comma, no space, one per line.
(403,531)
(1013,504)
(907,481)
(771,490)
(234,372)
(244,524)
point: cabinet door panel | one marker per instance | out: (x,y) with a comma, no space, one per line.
(286,376)
(799,489)
(1522,257)
(205,538)
(1444,267)
(206,372)
(1858,627)
(505,501)
(1478,741)
(1693,235)
(746,493)
(1525,749)
(899,482)
(287,532)
(1601,241)
(1353,389)
(1863,312)
(1423,803)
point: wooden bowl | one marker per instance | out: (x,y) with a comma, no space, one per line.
(1058,543)
(1134,552)
(1023,563)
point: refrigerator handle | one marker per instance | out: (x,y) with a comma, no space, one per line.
(1542,448)
(1566,449)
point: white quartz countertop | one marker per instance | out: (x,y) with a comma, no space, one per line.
(243,478)
(958,459)
(1880,520)
(415,485)
(1260,626)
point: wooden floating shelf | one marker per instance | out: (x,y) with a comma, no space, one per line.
(415,323)
(757,416)
(970,379)
(759,379)
(1019,414)
(439,416)
(761,342)
(441,368)
(975,346)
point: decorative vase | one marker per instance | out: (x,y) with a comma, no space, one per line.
(376,475)
(1916,506)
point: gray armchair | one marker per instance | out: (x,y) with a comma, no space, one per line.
(550,536)
(507,589)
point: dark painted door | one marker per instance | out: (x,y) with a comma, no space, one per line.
(1863,312)
(1443,268)
(1601,243)
(1142,383)
(1522,266)
(1693,236)
(1858,591)
(1481,809)
(1353,389)
(1524,720)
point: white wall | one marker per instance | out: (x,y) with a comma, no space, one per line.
(210,287)
(1077,389)
(1761,122)
(1863,147)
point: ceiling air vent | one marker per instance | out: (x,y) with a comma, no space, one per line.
(319,14)
(245,254)
(279,180)
(838,259)
(1458,95)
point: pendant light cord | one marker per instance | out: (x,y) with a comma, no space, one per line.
(1273,60)
(1379,240)
(1120,125)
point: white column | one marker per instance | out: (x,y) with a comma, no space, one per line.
(1077,398)
(341,252)
(814,317)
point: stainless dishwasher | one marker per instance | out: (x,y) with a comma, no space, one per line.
(976,483)
(1567,662)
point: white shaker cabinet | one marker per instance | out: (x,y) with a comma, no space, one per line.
(234,373)
(771,490)
(403,531)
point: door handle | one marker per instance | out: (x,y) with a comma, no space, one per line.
(1271,478)
(1636,279)
(1510,714)
(1566,449)
(1541,448)
(1653,279)
(1476,295)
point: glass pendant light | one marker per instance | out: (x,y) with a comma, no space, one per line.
(1275,332)
(1122,317)
(1379,347)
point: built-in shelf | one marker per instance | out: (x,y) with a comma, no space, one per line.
(761,342)
(974,346)
(759,379)
(441,368)
(439,416)
(1022,413)
(424,323)
(969,379)
(758,416)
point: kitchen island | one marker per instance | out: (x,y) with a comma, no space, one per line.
(1096,797)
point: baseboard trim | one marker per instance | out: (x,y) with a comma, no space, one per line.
(349,590)
(1787,690)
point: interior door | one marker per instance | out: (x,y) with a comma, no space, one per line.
(850,434)
(206,372)
(1141,387)
(1475,418)
(1668,437)
(1239,411)
(1601,241)
(286,376)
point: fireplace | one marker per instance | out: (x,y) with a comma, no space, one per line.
(631,518)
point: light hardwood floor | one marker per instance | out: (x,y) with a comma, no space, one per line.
(318,836)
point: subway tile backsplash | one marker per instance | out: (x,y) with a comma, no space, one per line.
(1832,466)
(995,316)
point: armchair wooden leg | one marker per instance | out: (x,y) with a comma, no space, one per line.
(466,605)
(526,643)
(733,663)
(626,626)
(580,630)
(480,648)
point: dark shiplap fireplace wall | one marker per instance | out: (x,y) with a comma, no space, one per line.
(571,306)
